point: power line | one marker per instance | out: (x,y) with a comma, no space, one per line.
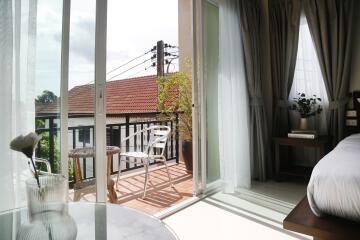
(173,51)
(169,63)
(166,45)
(142,70)
(169,55)
(129,69)
(129,61)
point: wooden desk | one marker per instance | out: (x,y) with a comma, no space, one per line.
(322,143)
(302,220)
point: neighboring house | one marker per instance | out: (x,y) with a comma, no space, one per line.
(135,98)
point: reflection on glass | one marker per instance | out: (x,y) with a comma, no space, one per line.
(47,85)
(48,210)
(211,53)
(81,101)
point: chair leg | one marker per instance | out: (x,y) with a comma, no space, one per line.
(119,172)
(146,166)
(168,173)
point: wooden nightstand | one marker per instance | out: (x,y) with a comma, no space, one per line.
(322,143)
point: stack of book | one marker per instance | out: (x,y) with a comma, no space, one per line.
(308,134)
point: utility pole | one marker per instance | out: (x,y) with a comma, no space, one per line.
(160,58)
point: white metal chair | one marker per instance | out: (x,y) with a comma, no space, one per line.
(42,161)
(158,136)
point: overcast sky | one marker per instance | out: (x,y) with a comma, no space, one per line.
(134,27)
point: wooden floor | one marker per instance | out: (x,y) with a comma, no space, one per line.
(160,195)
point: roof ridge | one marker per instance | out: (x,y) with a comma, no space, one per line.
(124,79)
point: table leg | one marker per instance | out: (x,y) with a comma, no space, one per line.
(109,162)
(322,151)
(111,190)
(277,161)
(110,182)
(77,172)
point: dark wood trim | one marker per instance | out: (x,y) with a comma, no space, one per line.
(302,220)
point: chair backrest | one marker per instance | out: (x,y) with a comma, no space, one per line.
(46,163)
(158,138)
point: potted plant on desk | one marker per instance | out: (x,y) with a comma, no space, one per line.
(307,107)
(175,96)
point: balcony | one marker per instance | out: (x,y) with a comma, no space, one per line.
(130,187)
(160,196)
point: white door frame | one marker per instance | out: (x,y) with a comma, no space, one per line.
(64,84)
(199,101)
(197,93)
(100,95)
(100,100)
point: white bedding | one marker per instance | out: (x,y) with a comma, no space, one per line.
(334,186)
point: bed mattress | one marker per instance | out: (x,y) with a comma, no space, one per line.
(334,186)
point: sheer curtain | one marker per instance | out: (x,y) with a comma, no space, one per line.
(308,79)
(17,94)
(234,139)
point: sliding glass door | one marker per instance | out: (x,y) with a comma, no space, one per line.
(206,20)
(83,108)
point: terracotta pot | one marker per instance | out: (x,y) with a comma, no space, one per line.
(187,155)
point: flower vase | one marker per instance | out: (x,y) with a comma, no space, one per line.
(48,210)
(304,124)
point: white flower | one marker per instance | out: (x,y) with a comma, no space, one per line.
(25,144)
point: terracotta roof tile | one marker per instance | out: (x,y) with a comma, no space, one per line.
(134,95)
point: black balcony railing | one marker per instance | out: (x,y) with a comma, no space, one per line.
(83,136)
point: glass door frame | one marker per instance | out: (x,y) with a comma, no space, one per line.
(100,95)
(100,100)
(197,93)
(199,98)
(199,105)
(64,85)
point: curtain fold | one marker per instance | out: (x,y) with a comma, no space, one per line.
(284,22)
(17,94)
(331,27)
(233,110)
(250,22)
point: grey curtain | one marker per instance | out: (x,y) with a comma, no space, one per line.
(284,23)
(250,14)
(331,27)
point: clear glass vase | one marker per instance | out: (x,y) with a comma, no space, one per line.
(48,210)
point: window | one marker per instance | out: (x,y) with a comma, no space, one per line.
(308,77)
(84,135)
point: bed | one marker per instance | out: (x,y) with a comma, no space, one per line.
(334,186)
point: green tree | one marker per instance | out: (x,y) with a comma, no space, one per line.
(46,97)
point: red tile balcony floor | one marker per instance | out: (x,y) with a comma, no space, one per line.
(160,196)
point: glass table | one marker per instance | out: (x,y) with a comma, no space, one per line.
(99,222)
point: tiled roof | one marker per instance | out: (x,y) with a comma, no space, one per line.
(134,95)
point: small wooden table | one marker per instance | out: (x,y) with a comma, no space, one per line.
(302,220)
(321,143)
(78,153)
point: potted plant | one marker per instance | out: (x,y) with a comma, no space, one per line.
(307,107)
(175,96)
